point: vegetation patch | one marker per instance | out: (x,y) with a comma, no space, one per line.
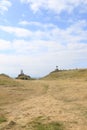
(2,119)
(41,124)
(85,113)
(49,126)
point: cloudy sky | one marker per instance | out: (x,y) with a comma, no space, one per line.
(37,35)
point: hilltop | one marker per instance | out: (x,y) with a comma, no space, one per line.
(4,75)
(67,74)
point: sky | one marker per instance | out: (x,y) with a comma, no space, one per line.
(38,35)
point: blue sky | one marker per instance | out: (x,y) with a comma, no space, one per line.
(37,35)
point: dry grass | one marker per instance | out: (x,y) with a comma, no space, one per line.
(70,74)
(48,104)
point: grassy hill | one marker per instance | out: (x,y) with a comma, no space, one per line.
(55,102)
(7,81)
(68,74)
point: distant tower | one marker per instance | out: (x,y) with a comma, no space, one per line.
(56,68)
(22,72)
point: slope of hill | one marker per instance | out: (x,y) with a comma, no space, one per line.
(5,80)
(68,74)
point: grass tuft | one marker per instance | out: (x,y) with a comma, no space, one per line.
(40,124)
(49,126)
(2,119)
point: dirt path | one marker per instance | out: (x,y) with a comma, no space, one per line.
(57,101)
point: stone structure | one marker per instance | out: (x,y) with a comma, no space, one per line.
(23,76)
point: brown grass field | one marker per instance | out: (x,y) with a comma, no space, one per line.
(55,102)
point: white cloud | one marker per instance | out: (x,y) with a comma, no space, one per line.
(24,23)
(42,47)
(25,47)
(18,32)
(5,45)
(23,33)
(72,34)
(55,5)
(4,5)
(37,24)
(35,54)
(38,56)
(39,64)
